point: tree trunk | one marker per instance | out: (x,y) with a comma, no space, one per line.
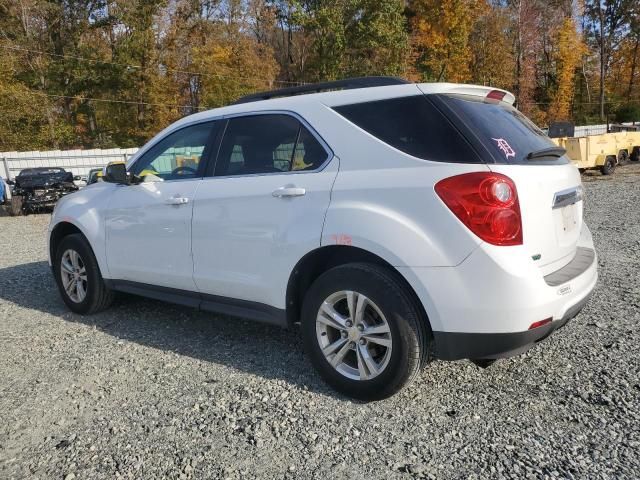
(634,65)
(602,62)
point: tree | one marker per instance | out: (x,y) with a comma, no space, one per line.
(607,27)
(492,48)
(568,53)
(440,32)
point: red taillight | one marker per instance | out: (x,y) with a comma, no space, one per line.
(496,95)
(540,323)
(487,203)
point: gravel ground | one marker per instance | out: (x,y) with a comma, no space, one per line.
(149,390)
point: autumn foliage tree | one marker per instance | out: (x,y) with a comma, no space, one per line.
(103,73)
(568,53)
(440,34)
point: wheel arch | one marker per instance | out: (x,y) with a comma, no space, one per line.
(322,259)
(64,229)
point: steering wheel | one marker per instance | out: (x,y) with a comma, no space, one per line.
(179,170)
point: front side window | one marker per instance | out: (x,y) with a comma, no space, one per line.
(259,144)
(177,156)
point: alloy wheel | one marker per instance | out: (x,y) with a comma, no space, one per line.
(354,335)
(74,276)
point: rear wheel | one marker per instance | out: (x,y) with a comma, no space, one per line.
(609,165)
(623,157)
(363,332)
(78,276)
(635,154)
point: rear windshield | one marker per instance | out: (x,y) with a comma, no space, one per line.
(413,125)
(507,133)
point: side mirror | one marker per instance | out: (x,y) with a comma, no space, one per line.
(116,172)
(77,178)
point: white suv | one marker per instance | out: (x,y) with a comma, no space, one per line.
(396,222)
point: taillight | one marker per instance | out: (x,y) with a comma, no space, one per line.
(496,95)
(487,203)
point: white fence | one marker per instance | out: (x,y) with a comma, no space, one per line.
(77,161)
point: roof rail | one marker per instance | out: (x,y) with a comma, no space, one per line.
(346,84)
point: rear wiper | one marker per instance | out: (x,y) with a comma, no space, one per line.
(546,152)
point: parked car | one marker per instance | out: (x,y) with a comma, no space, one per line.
(80,181)
(94,176)
(395,222)
(3,189)
(38,188)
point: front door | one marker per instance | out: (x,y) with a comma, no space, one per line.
(148,224)
(262,209)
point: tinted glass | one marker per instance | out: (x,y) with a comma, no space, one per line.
(257,144)
(177,156)
(413,125)
(309,153)
(506,132)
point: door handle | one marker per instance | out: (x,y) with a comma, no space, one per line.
(177,201)
(289,192)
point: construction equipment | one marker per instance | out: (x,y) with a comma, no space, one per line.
(603,152)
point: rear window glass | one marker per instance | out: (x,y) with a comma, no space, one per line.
(507,133)
(414,126)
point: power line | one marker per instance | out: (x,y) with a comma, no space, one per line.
(136,102)
(112,100)
(139,67)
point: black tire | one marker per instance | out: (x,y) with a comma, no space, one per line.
(410,331)
(15,207)
(609,165)
(98,296)
(635,154)
(623,157)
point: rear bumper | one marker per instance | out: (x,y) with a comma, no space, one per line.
(476,346)
(483,307)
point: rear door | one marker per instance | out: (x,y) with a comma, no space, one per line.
(262,209)
(549,185)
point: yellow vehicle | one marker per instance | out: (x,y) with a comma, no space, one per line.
(603,152)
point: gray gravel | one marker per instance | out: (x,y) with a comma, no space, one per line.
(149,390)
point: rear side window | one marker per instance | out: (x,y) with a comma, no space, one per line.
(414,126)
(506,133)
(272,143)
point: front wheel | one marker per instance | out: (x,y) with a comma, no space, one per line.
(78,276)
(363,332)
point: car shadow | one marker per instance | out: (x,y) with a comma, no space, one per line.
(258,349)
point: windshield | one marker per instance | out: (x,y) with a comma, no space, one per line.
(505,131)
